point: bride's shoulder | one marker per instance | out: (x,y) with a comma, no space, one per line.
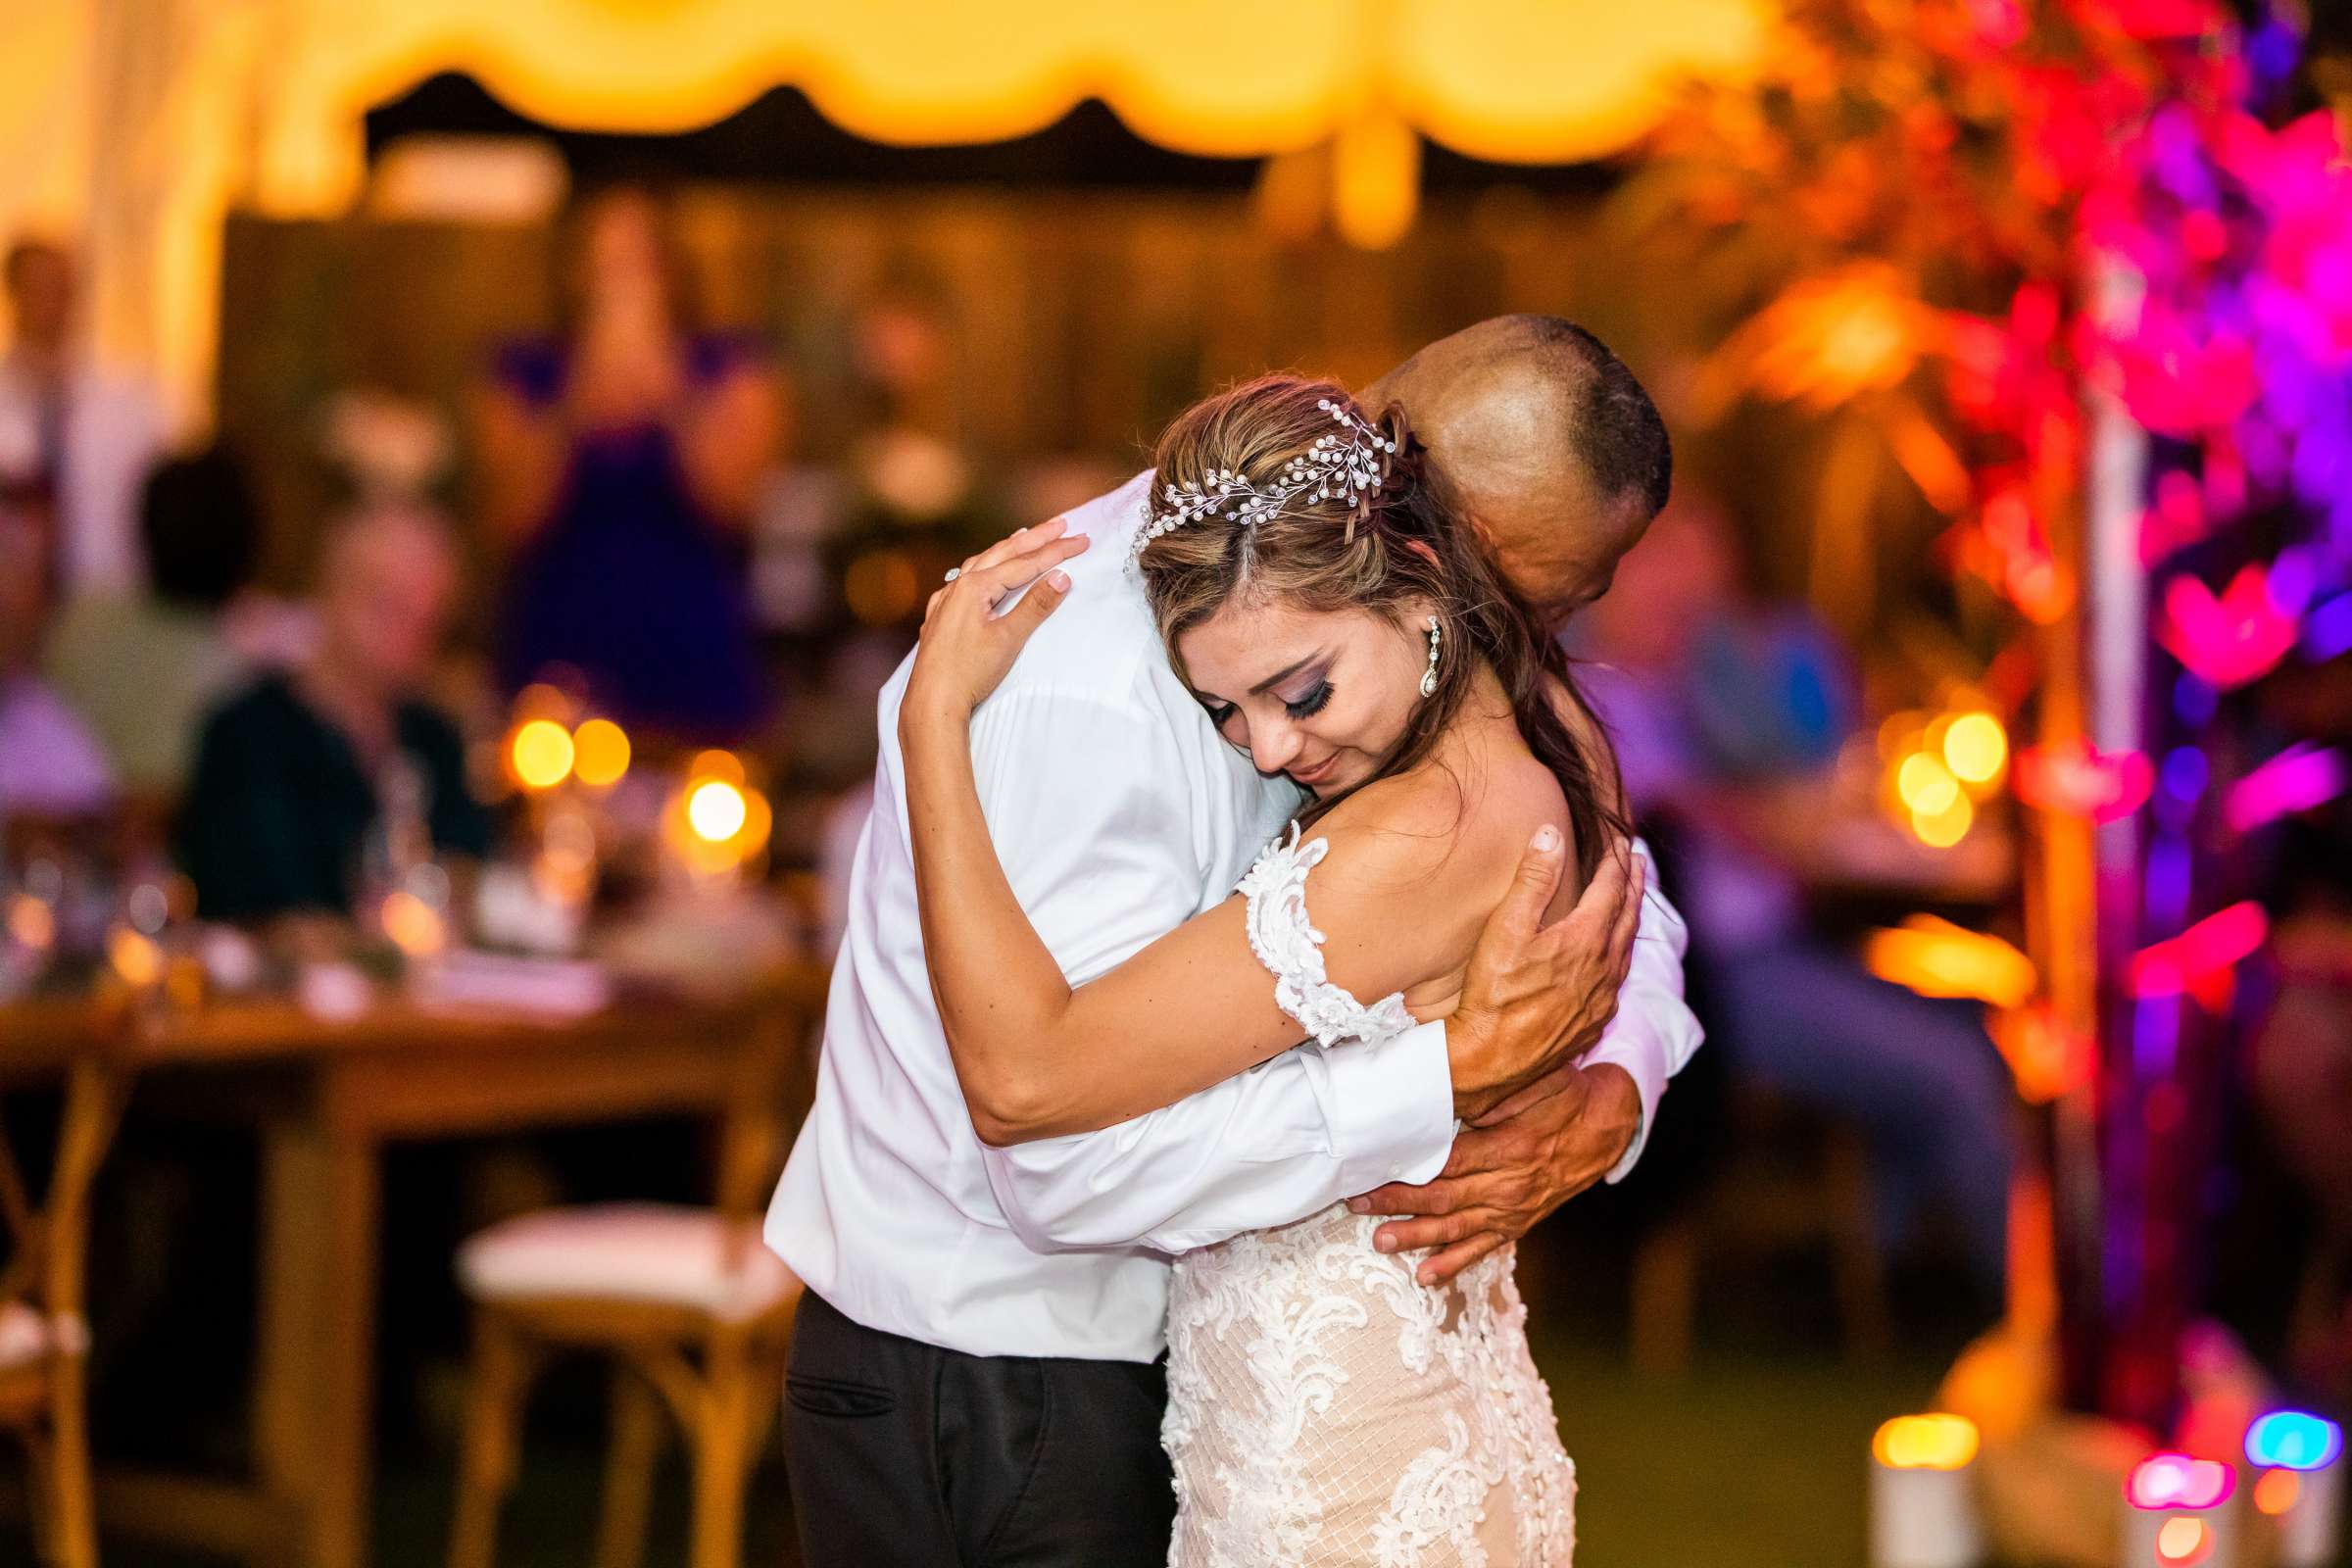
(1440,828)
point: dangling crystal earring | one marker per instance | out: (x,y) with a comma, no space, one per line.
(1429,676)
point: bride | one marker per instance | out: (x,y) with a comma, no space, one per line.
(1324,1406)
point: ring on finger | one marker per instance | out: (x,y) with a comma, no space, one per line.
(953,572)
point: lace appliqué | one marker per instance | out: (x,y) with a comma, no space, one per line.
(1287,942)
(1326,1409)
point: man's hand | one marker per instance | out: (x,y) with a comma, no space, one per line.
(1567,1132)
(1538,995)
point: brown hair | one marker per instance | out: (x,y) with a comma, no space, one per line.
(1395,546)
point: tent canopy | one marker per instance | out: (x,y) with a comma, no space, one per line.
(139,123)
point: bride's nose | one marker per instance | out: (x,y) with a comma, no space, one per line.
(1274,744)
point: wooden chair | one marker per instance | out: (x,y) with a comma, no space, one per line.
(693,1310)
(1796,1180)
(44,1339)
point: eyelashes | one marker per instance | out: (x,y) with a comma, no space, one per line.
(1313,702)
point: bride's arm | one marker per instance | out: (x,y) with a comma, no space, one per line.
(1037,1059)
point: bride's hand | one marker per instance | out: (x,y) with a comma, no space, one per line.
(966,646)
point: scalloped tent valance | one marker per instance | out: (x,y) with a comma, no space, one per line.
(188,105)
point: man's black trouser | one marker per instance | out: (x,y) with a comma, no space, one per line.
(904,1455)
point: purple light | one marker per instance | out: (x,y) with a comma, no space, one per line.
(2193,701)
(2185,774)
(2327,628)
(2295,780)
(2168,872)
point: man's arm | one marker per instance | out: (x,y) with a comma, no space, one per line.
(1586,1123)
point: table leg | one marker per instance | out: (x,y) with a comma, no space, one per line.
(315,1400)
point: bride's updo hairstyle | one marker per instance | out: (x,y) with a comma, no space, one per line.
(1337,548)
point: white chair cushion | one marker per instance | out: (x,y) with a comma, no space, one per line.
(656,1252)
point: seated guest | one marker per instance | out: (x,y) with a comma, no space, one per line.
(294,775)
(144,668)
(1727,713)
(50,765)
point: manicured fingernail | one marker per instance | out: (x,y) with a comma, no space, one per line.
(1385,1243)
(1427,1276)
(1059,580)
(1359,1206)
(1547,838)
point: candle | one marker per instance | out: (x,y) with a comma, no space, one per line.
(1923,1501)
(2303,1489)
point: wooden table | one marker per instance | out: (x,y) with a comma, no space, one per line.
(329,1098)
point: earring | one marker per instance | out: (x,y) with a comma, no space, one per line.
(1429,676)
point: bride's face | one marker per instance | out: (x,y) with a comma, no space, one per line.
(1319,695)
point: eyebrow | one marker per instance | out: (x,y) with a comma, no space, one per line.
(1282,674)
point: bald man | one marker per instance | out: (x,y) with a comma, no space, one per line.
(294,773)
(974,1369)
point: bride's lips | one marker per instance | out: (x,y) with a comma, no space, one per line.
(1319,773)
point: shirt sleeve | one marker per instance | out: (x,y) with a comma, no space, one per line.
(1654,1034)
(1285,1139)
(1107,856)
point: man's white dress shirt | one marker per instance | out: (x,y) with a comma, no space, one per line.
(1118,812)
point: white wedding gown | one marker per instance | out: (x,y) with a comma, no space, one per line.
(1323,1407)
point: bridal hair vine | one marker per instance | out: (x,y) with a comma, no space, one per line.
(1351,465)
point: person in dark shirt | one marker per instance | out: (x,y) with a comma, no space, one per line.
(297,775)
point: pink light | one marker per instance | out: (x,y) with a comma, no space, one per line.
(2231,640)
(2079,780)
(2175,1481)
(2203,958)
(2295,780)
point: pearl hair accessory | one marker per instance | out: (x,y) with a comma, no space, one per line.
(1429,676)
(1337,467)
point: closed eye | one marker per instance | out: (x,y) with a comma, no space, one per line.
(1313,702)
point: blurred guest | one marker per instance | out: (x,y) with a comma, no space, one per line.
(144,668)
(50,764)
(75,442)
(621,461)
(1726,714)
(297,773)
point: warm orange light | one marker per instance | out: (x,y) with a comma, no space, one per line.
(2045,1056)
(2184,1542)
(135,958)
(1939,1442)
(542,754)
(600,753)
(2277,1490)
(717,810)
(1975,748)
(1937,959)
(1377,169)
(31,923)
(1941,830)
(1831,338)
(412,925)
(725,766)
(1926,785)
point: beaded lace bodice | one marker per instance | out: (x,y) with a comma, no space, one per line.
(1325,1408)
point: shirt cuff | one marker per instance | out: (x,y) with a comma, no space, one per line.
(1645,1064)
(1390,1108)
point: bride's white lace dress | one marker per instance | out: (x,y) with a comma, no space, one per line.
(1323,1407)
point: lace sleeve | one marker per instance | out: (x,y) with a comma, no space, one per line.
(1287,942)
